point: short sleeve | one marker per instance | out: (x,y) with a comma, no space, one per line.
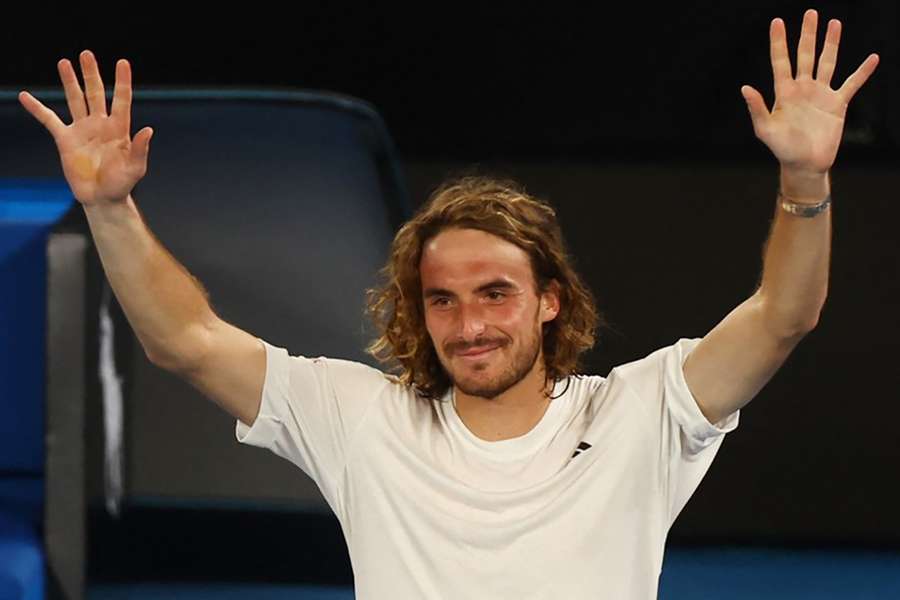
(692,440)
(310,411)
(688,442)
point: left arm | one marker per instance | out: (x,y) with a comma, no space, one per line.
(733,362)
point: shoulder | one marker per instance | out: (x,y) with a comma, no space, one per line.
(580,385)
(353,373)
(657,363)
(331,375)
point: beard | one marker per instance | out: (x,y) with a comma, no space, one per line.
(475,380)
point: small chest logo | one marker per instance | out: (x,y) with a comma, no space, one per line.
(581,448)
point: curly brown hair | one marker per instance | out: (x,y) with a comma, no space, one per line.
(503,208)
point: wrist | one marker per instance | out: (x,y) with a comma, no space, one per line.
(804,187)
(110,212)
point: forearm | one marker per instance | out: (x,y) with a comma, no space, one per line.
(166,306)
(794,282)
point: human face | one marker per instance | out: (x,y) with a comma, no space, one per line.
(478,292)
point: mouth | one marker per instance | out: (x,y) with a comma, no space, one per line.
(476,354)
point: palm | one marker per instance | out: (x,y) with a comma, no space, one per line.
(99,160)
(95,158)
(805,126)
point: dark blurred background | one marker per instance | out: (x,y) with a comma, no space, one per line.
(629,119)
(496,81)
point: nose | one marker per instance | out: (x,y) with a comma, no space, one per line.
(471,321)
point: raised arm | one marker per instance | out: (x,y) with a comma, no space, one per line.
(166,306)
(742,353)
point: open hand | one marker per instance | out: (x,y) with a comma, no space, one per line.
(804,129)
(101,162)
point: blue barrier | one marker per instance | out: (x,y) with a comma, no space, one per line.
(28,211)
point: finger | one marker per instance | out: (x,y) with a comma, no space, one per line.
(759,114)
(121,104)
(140,149)
(96,95)
(858,78)
(43,114)
(806,50)
(781,62)
(74,95)
(829,53)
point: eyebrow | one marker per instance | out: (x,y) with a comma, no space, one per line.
(495,284)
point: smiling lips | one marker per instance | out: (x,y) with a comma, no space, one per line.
(477,353)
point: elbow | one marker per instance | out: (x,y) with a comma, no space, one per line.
(182,356)
(808,323)
(789,324)
(811,324)
(166,362)
(798,328)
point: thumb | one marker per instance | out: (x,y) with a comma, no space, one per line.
(759,114)
(140,148)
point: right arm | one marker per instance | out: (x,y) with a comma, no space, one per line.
(169,311)
(167,307)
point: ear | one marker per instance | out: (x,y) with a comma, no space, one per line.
(550,302)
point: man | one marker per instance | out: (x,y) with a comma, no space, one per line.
(489,468)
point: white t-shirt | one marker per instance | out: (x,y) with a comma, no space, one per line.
(577,508)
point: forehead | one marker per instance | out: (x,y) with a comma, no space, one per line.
(462,256)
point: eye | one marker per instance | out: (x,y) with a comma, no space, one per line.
(499,294)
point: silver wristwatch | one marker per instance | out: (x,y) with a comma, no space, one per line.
(804,210)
